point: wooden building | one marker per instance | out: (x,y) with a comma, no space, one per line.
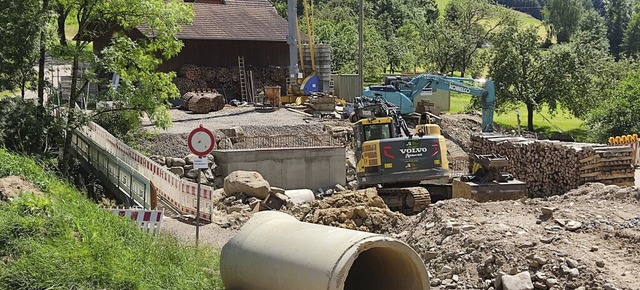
(222,30)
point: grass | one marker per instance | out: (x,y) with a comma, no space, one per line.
(62,240)
(565,121)
(5,94)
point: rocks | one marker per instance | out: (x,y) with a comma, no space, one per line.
(179,171)
(521,281)
(547,211)
(573,225)
(183,168)
(193,173)
(248,182)
(178,162)
(574,272)
(600,263)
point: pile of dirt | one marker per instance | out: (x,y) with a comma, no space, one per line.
(361,210)
(12,186)
(586,238)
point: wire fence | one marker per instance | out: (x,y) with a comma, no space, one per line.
(286,141)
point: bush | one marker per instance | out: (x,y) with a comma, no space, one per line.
(619,114)
(61,240)
(24,127)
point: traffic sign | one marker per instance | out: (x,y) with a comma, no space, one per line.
(201,141)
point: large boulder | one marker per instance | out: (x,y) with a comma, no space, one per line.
(248,182)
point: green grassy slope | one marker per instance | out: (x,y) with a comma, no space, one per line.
(62,240)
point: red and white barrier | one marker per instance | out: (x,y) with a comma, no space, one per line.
(149,221)
(180,193)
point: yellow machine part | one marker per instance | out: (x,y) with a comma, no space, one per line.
(381,120)
(429,129)
(370,155)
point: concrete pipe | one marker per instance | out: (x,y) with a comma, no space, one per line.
(298,196)
(275,251)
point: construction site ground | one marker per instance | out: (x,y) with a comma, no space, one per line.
(589,237)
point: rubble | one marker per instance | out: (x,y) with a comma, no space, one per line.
(248,182)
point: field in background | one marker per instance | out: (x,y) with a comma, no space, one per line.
(563,120)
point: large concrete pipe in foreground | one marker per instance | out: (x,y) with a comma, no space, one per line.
(275,251)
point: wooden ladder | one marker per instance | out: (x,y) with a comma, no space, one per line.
(243,79)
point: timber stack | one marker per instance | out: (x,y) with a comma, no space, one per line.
(192,77)
(202,102)
(552,167)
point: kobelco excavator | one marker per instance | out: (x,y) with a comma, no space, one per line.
(409,168)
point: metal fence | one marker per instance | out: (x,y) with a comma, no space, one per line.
(286,141)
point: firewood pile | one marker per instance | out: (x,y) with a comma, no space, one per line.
(203,102)
(191,77)
(553,167)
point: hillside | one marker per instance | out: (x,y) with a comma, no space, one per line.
(53,237)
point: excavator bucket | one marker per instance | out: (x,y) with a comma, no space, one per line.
(491,191)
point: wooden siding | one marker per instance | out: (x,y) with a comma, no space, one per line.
(224,53)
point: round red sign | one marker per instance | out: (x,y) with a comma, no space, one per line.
(201,141)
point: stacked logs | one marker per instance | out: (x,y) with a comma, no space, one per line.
(192,77)
(553,167)
(202,102)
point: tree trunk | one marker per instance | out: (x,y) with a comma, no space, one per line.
(45,8)
(62,17)
(22,89)
(66,152)
(530,108)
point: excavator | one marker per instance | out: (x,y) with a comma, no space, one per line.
(402,91)
(409,169)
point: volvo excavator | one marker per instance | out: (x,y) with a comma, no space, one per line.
(408,168)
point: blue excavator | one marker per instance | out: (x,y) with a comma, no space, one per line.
(402,91)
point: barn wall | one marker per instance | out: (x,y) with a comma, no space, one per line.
(224,53)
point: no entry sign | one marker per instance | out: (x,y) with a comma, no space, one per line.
(201,141)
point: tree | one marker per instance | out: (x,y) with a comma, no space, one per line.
(631,40)
(20,30)
(620,115)
(564,15)
(525,74)
(142,89)
(618,14)
(475,21)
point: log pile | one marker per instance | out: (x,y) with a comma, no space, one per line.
(202,102)
(553,167)
(192,77)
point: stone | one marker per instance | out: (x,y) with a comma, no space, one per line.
(498,282)
(217,171)
(594,248)
(573,225)
(277,190)
(539,285)
(168,161)
(339,188)
(248,182)
(189,158)
(211,158)
(447,281)
(193,173)
(455,278)
(353,184)
(539,276)
(547,239)
(468,227)
(446,269)
(609,286)
(521,281)
(435,282)
(600,263)
(551,282)
(540,260)
(547,211)
(178,162)
(208,175)
(179,171)
(218,182)
(574,272)
(187,167)
(571,263)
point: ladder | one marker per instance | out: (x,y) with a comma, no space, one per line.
(243,79)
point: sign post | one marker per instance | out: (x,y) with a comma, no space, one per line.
(201,143)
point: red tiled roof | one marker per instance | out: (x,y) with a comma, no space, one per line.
(236,20)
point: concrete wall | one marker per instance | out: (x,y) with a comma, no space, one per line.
(290,168)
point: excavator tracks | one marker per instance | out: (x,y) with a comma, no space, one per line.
(408,200)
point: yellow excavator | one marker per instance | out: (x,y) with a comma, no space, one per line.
(409,169)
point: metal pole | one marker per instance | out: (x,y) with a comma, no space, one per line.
(198,209)
(360,44)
